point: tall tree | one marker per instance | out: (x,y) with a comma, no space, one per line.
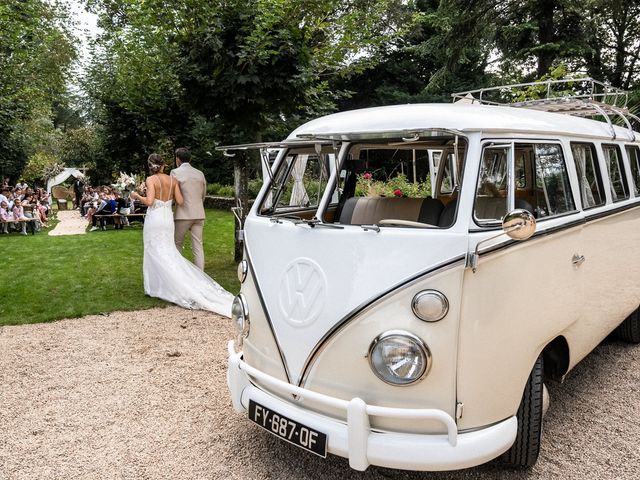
(445,47)
(533,34)
(614,39)
(36,50)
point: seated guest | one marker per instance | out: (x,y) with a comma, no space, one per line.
(27,200)
(18,215)
(85,201)
(122,207)
(43,200)
(30,211)
(4,195)
(100,205)
(10,201)
(91,209)
(18,194)
(5,217)
(92,202)
(106,207)
(41,212)
(111,199)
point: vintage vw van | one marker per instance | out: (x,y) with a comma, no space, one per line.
(414,274)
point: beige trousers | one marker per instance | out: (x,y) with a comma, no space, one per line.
(195,226)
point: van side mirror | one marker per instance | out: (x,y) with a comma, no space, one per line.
(519,224)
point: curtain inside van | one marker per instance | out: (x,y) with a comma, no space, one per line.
(580,156)
(299,194)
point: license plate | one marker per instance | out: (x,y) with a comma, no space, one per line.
(288,430)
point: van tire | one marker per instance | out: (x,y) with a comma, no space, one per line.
(629,330)
(526,447)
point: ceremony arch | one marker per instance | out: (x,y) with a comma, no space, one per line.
(62,176)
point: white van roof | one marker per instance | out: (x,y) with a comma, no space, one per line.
(461,117)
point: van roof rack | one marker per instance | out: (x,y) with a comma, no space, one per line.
(581,97)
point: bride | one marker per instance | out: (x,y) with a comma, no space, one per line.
(167,274)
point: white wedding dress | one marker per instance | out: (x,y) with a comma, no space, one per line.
(170,276)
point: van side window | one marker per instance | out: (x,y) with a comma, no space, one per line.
(617,179)
(491,196)
(634,162)
(552,195)
(540,179)
(521,171)
(589,178)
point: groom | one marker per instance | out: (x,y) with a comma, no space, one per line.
(190,215)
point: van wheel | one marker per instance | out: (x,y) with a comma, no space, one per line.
(524,451)
(629,330)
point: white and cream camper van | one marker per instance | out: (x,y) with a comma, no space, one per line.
(414,274)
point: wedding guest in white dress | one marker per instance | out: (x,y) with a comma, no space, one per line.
(167,274)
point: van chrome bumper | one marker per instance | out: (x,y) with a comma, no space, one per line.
(356,441)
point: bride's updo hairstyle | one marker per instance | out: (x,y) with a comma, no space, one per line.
(155,162)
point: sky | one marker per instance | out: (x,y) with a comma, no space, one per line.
(87,26)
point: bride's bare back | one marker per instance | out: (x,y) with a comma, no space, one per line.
(162,187)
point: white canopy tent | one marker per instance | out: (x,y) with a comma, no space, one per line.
(62,176)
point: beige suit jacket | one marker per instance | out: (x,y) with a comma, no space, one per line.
(193,186)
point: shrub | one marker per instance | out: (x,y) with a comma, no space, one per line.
(41,166)
(217,190)
(214,189)
(255,185)
(366,186)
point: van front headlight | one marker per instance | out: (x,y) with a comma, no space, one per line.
(399,358)
(240,317)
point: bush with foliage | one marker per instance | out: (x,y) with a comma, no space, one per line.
(398,186)
(218,190)
(255,185)
(39,165)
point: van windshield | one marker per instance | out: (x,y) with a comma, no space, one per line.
(392,183)
(400,184)
(299,182)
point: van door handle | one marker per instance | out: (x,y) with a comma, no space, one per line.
(373,227)
(577,260)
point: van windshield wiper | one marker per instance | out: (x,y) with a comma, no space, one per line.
(317,223)
(314,222)
(290,218)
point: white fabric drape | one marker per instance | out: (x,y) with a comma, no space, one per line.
(580,154)
(61,177)
(299,197)
(610,161)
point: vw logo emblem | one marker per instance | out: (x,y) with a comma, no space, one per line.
(302,292)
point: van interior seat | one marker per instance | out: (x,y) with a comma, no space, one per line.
(490,207)
(524,205)
(495,208)
(370,210)
(448,215)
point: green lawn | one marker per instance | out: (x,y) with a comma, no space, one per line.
(48,278)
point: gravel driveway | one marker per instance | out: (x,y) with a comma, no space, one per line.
(143,395)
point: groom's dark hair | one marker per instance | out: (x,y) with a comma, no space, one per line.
(183,154)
